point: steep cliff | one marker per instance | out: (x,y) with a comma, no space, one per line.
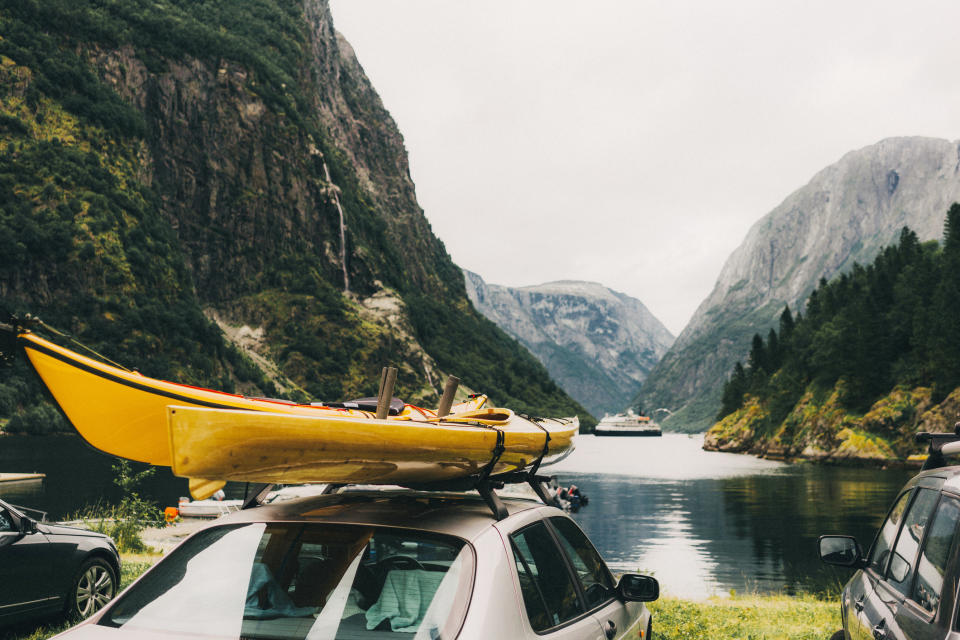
(845,214)
(214,193)
(598,344)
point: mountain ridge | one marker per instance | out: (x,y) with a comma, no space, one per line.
(596,342)
(844,214)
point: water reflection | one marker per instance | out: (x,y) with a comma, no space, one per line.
(707,523)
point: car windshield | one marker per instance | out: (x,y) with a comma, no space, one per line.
(303,580)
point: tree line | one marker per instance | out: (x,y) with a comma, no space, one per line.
(893,322)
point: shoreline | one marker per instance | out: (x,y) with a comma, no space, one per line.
(822,458)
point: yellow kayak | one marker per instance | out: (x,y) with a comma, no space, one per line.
(271,447)
(210,434)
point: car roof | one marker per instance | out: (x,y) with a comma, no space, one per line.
(946,477)
(462,515)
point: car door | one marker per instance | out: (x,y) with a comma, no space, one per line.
(616,618)
(925,612)
(864,606)
(24,568)
(881,615)
(551,598)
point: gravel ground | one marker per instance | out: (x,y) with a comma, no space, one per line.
(164,539)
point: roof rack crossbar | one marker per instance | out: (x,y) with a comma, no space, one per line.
(255,494)
(485,489)
(935,444)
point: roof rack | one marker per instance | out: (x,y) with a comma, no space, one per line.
(486,487)
(939,445)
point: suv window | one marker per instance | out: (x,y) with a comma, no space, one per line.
(933,560)
(595,579)
(900,571)
(290,581)
(887,535)
(549,594)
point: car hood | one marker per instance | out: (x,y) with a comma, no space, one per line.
(62,530)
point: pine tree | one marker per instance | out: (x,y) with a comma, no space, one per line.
(945,334)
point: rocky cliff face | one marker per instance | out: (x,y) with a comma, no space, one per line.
(598,344)
(845,214)
(214,193)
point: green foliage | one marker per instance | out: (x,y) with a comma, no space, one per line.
(891,323)
(125,521)
(87,243)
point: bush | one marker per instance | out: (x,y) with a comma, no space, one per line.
(125,521)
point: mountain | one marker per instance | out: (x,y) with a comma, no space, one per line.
(844,215)
(214,193)
(598,344)
(874,360)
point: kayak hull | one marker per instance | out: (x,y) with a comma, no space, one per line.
(264,447)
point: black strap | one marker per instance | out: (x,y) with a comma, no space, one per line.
(498,450)
(546,450)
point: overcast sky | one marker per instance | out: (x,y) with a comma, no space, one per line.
(634,143)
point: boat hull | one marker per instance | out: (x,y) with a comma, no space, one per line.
(632,433)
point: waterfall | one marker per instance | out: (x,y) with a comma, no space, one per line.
(343,231)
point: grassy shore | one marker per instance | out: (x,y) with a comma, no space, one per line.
(750,617)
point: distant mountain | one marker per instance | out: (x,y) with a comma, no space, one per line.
(598,344)
(845,214)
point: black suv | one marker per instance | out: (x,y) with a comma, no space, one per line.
(48,569)
(906,586)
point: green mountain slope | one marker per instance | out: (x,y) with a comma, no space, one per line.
(875,358)
(172,176)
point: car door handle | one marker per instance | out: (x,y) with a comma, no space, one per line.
(858,604)
(880,631)
(610,629)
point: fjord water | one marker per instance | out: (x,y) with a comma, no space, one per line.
(706,523)
(703,523)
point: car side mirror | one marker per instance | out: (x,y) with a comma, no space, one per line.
(27,526)
(843,551)
(634,587)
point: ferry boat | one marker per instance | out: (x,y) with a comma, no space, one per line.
(627,424)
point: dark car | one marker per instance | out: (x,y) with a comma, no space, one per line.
(905,587)
(50,569)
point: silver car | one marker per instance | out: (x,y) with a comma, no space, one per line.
(381,565)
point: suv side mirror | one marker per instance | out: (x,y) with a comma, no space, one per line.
(843,551)
(634,587)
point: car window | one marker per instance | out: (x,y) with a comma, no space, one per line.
(549,594)
(900,569)
(295,581)
(887,534)
(595,579)
(933,559)
(6,522)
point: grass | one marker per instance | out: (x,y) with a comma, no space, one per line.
(748,617)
